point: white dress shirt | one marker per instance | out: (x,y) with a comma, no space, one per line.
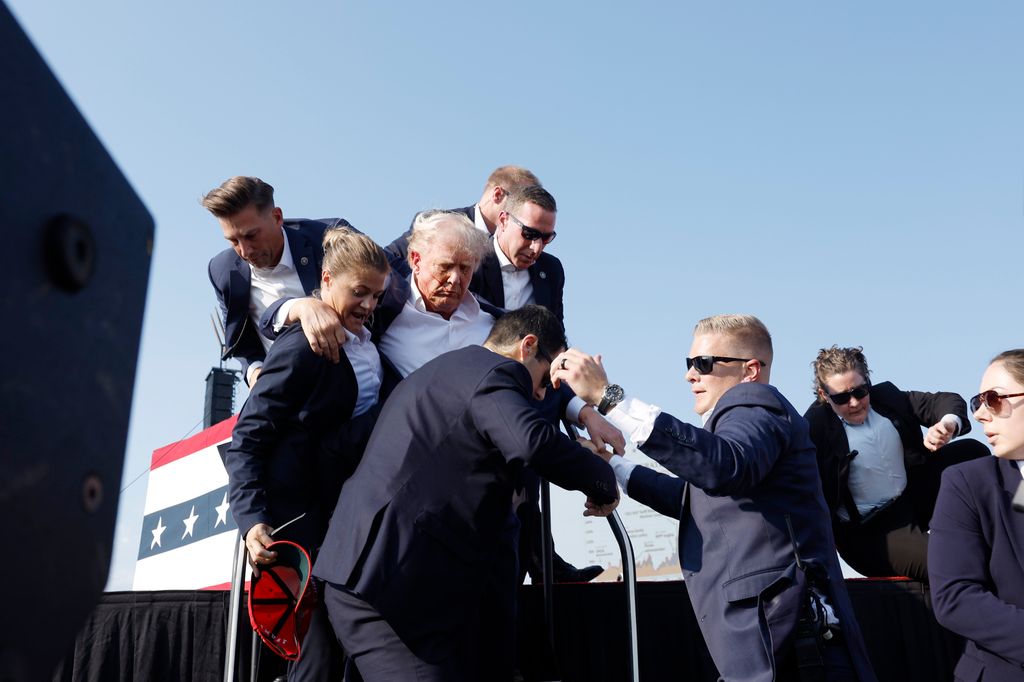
(267,285)
(365,361)
(515,282)
(418,335)
(478,220)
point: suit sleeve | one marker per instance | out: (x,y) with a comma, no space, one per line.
(660,492)
(285,384)
(743,449)
(961,584)
(266,323)
(503,415)
(929,408)
(247,349)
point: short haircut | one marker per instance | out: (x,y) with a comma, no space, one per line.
(433,226)
(511,178)
(237,194)
(513,326)
(749,333)
(1013,361)
(346,250)
(534,194)
(836,360)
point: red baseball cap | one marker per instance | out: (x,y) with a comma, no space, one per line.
(282,599)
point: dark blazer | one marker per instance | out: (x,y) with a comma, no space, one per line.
(976,567)
(292,448)
(546,275)
(400,247)
(231,276)
(739,482)
(907,410)
(420,530)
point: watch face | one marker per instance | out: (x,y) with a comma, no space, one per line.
(613,393)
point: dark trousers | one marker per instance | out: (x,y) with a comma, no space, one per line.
(321,656)
(894,541)
(378,654)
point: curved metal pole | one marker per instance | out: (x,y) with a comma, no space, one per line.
(628,573)
(629,580)
(234,606)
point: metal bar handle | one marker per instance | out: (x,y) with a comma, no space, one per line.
(628,575)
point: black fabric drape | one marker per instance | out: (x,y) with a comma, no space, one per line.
(180,635)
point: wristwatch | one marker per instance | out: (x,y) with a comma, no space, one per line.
(613,395)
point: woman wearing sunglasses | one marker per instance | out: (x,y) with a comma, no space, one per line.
(879,474)
(976,554)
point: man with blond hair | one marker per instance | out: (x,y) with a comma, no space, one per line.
(755,543)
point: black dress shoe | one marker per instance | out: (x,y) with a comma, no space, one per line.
(571,574)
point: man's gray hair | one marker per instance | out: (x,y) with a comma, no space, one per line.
(452,226)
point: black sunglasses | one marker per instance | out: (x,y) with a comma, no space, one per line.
(992,400)
(705,364)
(545,381)
(531,233)
(842,398)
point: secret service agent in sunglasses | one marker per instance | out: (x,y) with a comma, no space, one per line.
(992,400)
(842,398)
(705,364)
(532,234)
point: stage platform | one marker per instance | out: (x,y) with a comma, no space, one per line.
(179,636)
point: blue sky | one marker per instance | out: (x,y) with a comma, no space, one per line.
(851,174)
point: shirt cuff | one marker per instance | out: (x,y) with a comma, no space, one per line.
(573,409)
(281,316)
(623,469)
(956,420)
(634,418)
(252,368)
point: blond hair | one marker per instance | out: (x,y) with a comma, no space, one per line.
(347,250)
(749,333)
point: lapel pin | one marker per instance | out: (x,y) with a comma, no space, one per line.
(304,261)
(543,275)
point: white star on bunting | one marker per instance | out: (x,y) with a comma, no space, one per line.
(157,532)
(190,523)
(222,512)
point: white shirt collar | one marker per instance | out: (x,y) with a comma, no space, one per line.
(478,219)
(468,308)
(362,337)
(1020,465)
(503,261)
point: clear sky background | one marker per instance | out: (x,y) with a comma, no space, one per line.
(850,173)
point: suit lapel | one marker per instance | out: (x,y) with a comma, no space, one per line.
(494,287)
(239,281)
(1011,480)
(539,282)
(304,257)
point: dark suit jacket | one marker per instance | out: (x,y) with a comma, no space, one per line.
(420,530)
(290,449)
(739,481)
(231,276)
(907,410)
(400,247)
(546,275)
(976,567)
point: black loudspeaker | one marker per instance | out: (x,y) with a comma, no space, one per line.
(220,395)
(77,243)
